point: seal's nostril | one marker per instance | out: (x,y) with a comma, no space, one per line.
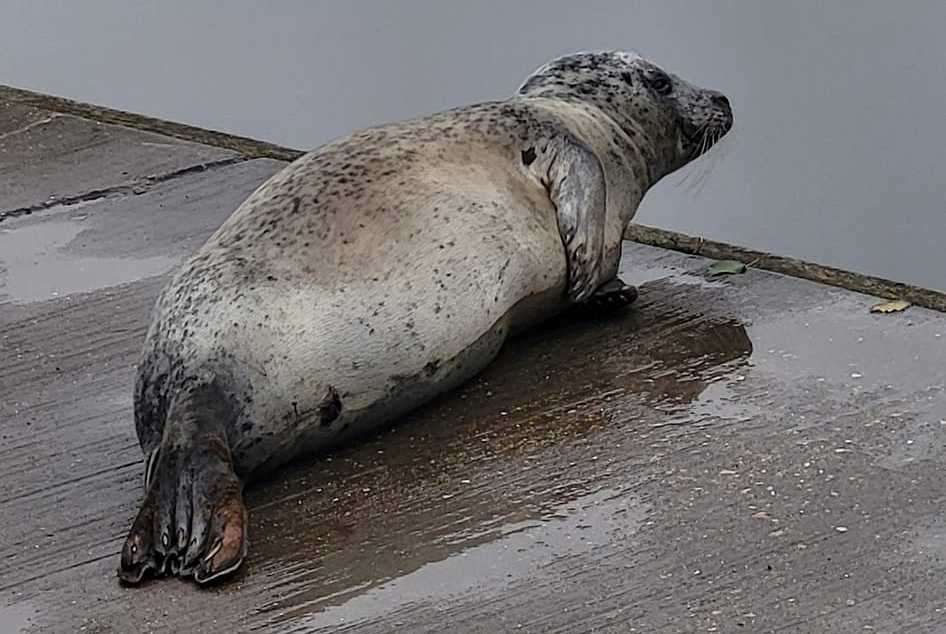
(720,101)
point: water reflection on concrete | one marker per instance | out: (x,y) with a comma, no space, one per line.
(510,555)
(16,618)
(529,457)
(43,260)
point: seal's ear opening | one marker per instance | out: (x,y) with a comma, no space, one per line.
(528,156)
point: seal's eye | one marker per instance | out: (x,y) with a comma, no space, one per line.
(660,83)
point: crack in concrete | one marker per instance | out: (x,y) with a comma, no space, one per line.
(136,187)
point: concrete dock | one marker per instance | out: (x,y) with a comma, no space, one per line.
(749,453)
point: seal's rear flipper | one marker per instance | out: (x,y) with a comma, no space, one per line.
(193,521)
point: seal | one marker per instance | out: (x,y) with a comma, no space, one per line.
(383,269)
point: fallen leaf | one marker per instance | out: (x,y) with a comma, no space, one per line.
(895,306)
(727,267)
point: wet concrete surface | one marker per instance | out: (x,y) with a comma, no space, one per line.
(753,453)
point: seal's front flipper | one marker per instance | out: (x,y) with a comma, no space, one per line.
(614,294)
(576,186)
(193,521)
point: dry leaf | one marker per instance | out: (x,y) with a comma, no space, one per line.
(895,306)
(727,267)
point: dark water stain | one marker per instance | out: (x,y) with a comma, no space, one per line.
(522,456)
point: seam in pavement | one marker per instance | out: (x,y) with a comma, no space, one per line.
(653,236)
(138,186)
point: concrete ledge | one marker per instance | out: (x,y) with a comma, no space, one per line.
(861,283)
(250,148)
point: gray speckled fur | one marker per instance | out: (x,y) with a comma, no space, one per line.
(392,264)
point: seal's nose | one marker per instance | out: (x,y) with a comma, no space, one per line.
(720,101)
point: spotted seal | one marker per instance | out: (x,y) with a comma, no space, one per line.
(382,269)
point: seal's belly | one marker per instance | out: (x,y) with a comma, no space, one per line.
(384,346)
(379,366)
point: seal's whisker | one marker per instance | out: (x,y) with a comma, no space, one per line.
(687,175)
(708,165)
(700,169)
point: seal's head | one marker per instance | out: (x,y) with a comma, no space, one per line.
(679,121)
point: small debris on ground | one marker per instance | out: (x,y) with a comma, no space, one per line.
(895,306)
(727,267)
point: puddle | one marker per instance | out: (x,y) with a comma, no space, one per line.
(16,618)
(521,550)
(37,263)
(640,275)
(673,275)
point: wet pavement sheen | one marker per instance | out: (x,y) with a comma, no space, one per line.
(753,453)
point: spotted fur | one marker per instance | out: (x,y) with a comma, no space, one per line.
(386,267)
(379,254)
